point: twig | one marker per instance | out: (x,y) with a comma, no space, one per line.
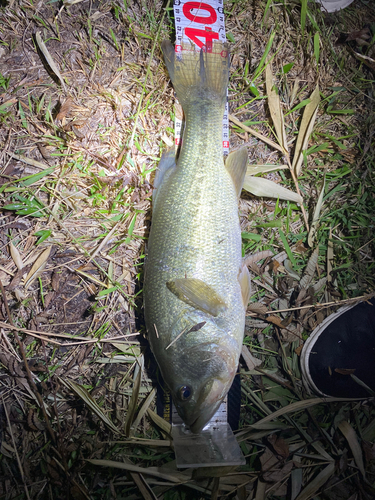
(80,340)
(15,450)
(320,306)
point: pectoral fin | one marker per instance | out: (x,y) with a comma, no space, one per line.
(245,283)
(236,164)
(198,294)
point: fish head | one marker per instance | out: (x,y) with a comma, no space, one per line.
(201,381)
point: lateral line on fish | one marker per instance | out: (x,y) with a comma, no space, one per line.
(178,336)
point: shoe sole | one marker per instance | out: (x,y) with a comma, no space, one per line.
(309,345)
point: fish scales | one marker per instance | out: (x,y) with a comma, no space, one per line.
(194,306)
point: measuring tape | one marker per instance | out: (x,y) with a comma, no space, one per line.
(200,23)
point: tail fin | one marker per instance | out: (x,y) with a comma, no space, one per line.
(198,75)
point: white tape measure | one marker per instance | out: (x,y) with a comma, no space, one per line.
(200,23)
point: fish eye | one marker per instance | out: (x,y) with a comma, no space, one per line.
(184,392)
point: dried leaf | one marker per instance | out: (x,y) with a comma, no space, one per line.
(365,59)
(330,257)
(160,422)
(38,267)
(307,125)
(71,2)
(252,258)
(274,470)
(250,360)
(16,256)
(319,285)
(29,161)
(143,486)
(352,439)
(314,223)
(91,403)
(310,269)
(257,307)
(301,405)
(172,476)
(133,399)
(275,109)
(317,483)
(145,405)
(65,109)
(345,371)
(275,320)
(49,59)
(33,421)
(7,450)
(289,269)
(263,169)
(279,445)
(368,450)
(259,186)
(255,133)
(368,434)
(55,280)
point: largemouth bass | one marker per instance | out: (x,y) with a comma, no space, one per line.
(196,289)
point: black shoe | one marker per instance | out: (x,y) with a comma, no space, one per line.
(338,359)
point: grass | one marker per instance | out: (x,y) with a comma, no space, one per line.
(76,174)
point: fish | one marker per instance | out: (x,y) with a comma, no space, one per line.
(196,288)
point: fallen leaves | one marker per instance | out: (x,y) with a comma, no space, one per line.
(37,267)
(49,58)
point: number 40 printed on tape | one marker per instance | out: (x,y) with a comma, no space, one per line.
(200,23)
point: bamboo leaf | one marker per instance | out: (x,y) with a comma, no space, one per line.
(275,109)
(49,59)
(264,187)
(314,223)
(134,399)
(32,179)
(255,133)
(352,439)
(81,392)
(310,269)
(37,267)
(16,256)
(145,405)
(302,405)
(287,248)
(262,169)
(174,477)
(28,161)
(160,422)
(317,482)
(307,125)
(316,47)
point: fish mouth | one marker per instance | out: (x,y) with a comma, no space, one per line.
(198,424)
(195,427)
(197,417)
